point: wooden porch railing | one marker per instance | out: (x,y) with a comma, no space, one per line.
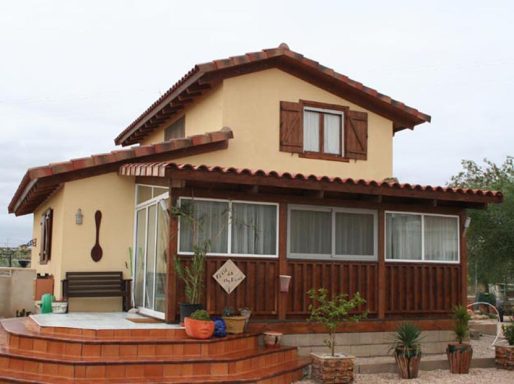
(413,288)
(336,276)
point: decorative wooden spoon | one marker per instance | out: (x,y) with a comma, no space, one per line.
(96,251)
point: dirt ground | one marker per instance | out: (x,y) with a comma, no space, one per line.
(475,376)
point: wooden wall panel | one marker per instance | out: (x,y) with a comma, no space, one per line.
(337,277)
(258,291)
(414,288)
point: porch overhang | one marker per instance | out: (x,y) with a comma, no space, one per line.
(317,186)
(38,184)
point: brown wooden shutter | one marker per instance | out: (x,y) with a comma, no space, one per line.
(356,135)
(45,251)
(291,132)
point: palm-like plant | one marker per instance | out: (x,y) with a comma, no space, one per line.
(508,332)
(193,275)
(462,318)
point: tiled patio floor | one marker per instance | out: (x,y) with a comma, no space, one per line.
(97,320)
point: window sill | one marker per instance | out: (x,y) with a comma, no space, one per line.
(323,156)
(417,261)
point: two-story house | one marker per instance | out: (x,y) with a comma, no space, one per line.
(290,166)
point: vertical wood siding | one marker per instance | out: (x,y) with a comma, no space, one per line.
(410,288)
(258,291)
(413,288)
(337,277)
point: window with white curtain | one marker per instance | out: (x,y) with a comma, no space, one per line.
(422,237)
(254,229)
(441,238)
(229,227)
(327,232)
(322,131)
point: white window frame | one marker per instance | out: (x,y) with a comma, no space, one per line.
(331,112)
(422,260)
(229,229)
(333,211)
(139,207)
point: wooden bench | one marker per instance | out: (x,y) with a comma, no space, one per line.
(97,284)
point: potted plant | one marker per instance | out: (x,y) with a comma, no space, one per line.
(199,325)
(460,353)
(505,353)
(406,348)
(330,313)
(193,276)
(234,322)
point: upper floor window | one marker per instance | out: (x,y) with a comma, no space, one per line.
(176,130)
(323,131)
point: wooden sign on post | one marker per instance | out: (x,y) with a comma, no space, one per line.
(229,276)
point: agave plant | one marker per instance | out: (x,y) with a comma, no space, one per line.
(407,340)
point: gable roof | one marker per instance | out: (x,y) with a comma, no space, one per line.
(203,77)
(40,182)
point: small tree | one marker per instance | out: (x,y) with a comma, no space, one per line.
(193,275)
(462,318)
(332,312)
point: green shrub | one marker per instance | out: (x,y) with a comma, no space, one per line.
(461,326)
(508,331)
(331,312)
(407,340)
(201,314)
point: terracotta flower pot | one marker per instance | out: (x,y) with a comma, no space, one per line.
(199,329)
(272,339)
(459,357)
(408,363)
(504,356)
(235,324)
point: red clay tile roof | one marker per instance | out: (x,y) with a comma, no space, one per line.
(39,183)
(298,180)
(190,86)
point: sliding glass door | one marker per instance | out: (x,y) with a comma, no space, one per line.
(150,251)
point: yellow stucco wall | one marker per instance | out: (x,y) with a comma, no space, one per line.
(250,105)
(204,115)
(113,195)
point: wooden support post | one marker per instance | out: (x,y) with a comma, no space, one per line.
(171,281)
(282,258)
(463,260)
(381,264)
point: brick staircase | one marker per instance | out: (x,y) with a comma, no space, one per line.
(33,354)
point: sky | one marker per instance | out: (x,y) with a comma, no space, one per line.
(73,74)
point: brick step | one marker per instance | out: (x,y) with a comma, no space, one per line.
(282,373)
(20,338)
(230,364)
(6,351)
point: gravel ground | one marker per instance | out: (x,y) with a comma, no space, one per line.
(475,376)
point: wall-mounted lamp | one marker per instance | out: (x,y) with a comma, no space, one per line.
(78,217)
(467,222)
